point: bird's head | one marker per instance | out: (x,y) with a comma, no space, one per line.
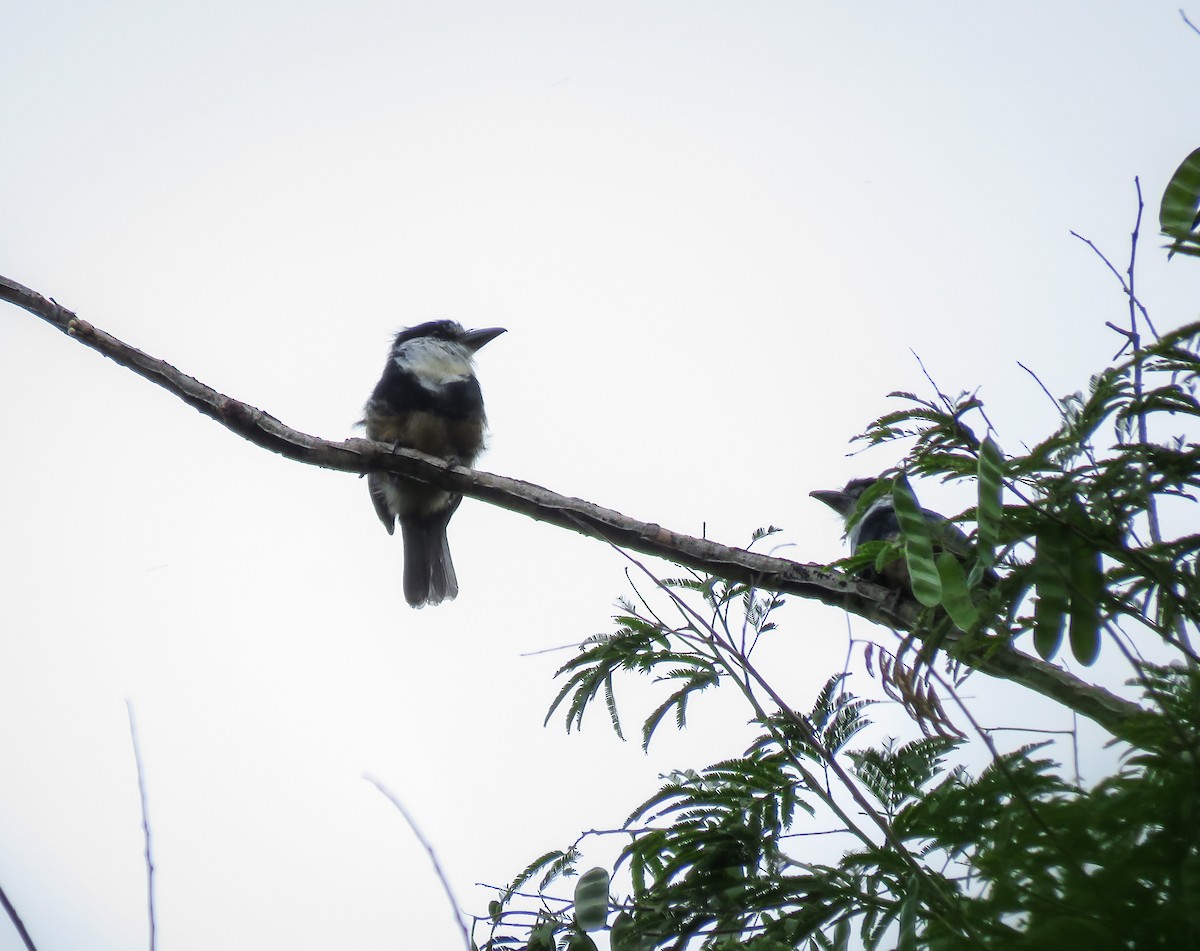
(439,352)
(844,500)
(447,331)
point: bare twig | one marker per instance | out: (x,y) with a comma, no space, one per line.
(437,868)
(1134,338)
(1133,301)
(946,401)
(816,582)
(17,922)
(1189,22)
(574,645)
(540,896)
(1075,748)
(1039,382)
(137,759)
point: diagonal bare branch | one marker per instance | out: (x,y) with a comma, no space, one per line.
(437,866)
(141,781)
(816,582)
(17,922)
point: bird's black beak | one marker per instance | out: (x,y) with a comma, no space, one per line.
(475,339)
(835,499)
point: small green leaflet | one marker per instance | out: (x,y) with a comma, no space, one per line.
(591,899)
(541,938)
(918,544)
(623,936)
(1052,558)
(1087,587)
(1179,215)
(991,506)
(956,596)
(1068,571)
(907,919)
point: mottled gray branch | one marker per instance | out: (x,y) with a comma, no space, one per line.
(812,581)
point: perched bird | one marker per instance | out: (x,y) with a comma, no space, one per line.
(879,523)
(428,399)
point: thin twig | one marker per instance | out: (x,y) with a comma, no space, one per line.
(1134,336)
(550,650)
(1189,22)
(1075,747)
(137,759)
(16,920)
(437,868)
(1039,382)
(1134,340)
(946,401)
(1117,274)
(540,896)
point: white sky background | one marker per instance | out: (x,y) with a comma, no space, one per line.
(713,230)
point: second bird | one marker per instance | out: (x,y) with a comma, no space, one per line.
(879,523)
(428,399)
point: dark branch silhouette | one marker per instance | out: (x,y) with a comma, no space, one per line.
(867,600)
(17,922)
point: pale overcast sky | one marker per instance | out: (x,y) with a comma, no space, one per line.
(714,231)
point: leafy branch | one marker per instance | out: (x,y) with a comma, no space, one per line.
(1067,547)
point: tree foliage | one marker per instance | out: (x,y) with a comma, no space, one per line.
(1069,552)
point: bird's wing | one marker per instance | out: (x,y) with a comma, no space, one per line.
(379,499)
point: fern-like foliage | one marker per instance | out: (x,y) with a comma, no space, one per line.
(1087,497)
(689,656)
(1070,542)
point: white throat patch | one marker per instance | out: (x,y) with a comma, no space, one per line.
(435,363)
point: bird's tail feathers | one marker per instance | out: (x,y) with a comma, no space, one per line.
(443,583)
(429,576)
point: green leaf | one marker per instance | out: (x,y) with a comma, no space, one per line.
(591,899)
(624,936)
(1087,587)
(580,942)
(956,596)
(908,920)
(991,507)
(541,938)
(1178,215)
(918,544)
(1051,564)
(551,863)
